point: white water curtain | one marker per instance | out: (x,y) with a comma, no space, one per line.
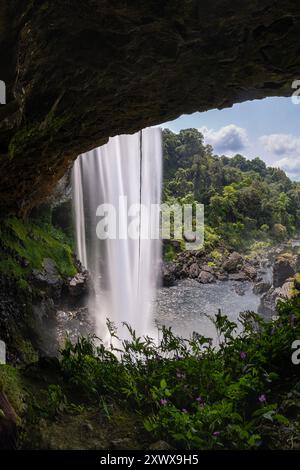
(125,272)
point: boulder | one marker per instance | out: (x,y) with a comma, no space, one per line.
(233,263)
(261,287)
(240,276)
(284,267)
(206,277)
(287,289)
(208,269)
(273,295)
(160,445)
(194,271)
(250,271)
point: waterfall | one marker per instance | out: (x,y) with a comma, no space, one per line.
(124,173)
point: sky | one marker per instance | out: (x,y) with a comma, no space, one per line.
(267,128)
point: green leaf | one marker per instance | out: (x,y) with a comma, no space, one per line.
(281,419)
(163,384)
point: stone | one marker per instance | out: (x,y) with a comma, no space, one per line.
(270,298)
(194,271)
(123,444)
(206,278)
(240,289)
(234,262)
(261,287)
(160,445)
(287,289)
(240,276)
(284,267)
(250,271)
(208,269)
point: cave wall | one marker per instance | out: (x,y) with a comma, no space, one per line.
(78,72)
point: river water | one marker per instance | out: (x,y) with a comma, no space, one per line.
(189,306)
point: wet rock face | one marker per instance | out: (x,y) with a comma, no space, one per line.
(168,274)
(284,267)
(48,279)
(261,287)
(8,425)
(77,288)
(79,72)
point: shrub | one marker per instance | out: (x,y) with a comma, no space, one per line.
(194,394)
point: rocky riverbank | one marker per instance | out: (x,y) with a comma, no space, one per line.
(207,269)
(272,270)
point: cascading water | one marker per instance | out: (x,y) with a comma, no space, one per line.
(113,181)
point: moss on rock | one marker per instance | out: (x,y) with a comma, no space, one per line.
(25,245)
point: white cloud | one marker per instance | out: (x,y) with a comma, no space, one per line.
(229,138)
(281,144)
(287,147)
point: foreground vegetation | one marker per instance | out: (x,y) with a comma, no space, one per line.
(245,394)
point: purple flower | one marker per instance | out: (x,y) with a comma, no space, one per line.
(216,433)
(262,398)
(184,410)
(179,374)
(243,355)
(163,401)
(200,401)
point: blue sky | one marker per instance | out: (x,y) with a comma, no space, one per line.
(267,128)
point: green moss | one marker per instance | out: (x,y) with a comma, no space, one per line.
(29,355)
(169,253)
(35,132)
(211,264)
(25,245)
(215,254)
(11,385)
(23,284)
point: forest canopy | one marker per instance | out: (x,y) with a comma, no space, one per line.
(244,199)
